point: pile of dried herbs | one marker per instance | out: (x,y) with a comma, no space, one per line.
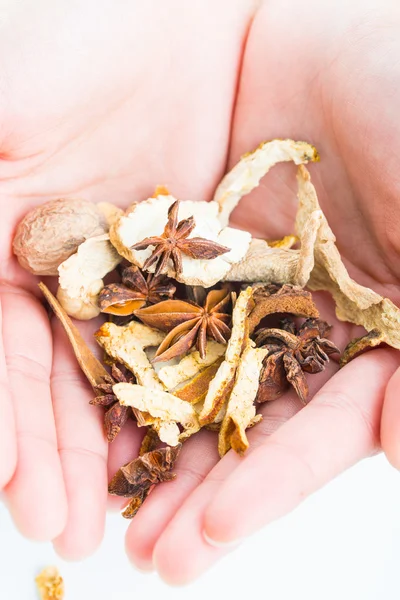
(188,342)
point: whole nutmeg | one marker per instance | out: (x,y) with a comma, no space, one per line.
(50,233)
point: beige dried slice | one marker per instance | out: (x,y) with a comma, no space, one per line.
(195,390)
(268,264)
(189,366)
(127,345)
(247,173)
(147,219)
(50,584)
(220,386)
(354,302)
(360,345)
(163,406)
(290,299)
(81,276)
(95,373)
(241,409)
(109,212)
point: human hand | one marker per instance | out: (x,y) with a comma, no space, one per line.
(131,100)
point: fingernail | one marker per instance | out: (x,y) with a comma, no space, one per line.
(218,544)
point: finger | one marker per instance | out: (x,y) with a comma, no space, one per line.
(83,452)
(197,458)
(390,425)
(340,426)
(36,494)
(8,440)
(337,429)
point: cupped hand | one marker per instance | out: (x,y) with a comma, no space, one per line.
(106,101)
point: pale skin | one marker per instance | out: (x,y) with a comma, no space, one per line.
(104,102)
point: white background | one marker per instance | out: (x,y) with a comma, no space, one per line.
(341,544)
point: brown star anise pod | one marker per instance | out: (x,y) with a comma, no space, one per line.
(134,292)
(188,324)
(136,479)
(116,415)
(292,351)
(174,242)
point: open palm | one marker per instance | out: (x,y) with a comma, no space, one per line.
(104,102)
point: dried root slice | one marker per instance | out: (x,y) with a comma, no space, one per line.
(195,390)
(163,406)
(81,277)
(95,373)
(221,385)
(148,219)
(360,345)
(191,365)
(50,584)
(354,302)
(241,410)
(268,264)
(290,299)
(246,175)
(126,344)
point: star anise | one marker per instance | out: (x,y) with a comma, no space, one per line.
(292,351)
(136,479)
(116,415)
(175,241)
(134,292)
(188,324)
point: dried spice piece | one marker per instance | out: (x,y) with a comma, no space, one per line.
(95,373)
(116,415)
(50,584)
(360,345)
(221,386)
(195,390)
(274,298)
(189,324)
(247,173)
(175,241)
(291,352)
(147,219)
(191,365)
(137,478)
(354,303)
(127,346)
(287,242)
(51,232)
(150,442)
(241,410)
(135,291)
(167,410)
(81,277)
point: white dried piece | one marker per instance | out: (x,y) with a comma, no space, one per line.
(148,219)
(241,411)
(81,276)
(127,345)
(218,392)
(190,365)
(161,405)
(247,173)
(354,302)
(109,212)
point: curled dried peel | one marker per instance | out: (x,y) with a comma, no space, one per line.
(189,366)
(165,408)
(354,302)
(195,390)
(81,276)
(241,411)
(148,219)
(221,385)
(126,344)
(359,345)
(247,173)
(279,264)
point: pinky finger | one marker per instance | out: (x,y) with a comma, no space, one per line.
(8,443)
